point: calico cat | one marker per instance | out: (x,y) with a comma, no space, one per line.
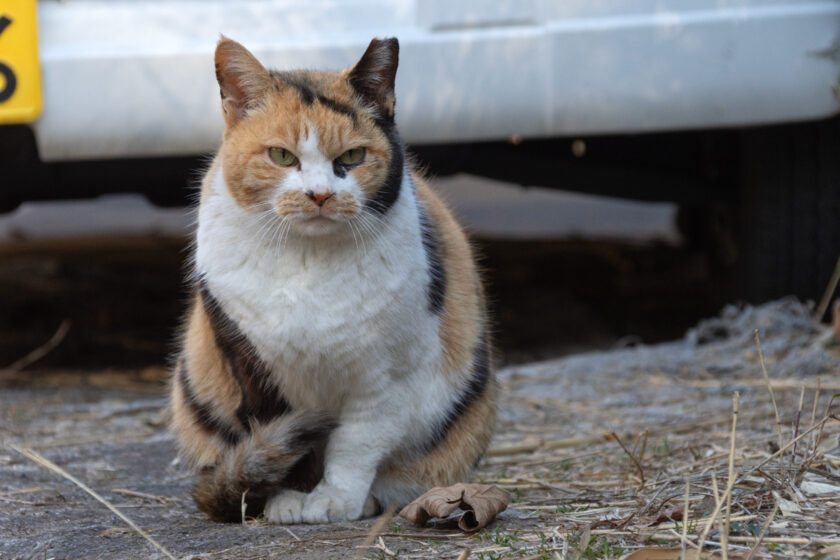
(335,358)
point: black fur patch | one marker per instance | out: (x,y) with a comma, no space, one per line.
(261,468)
(374,75)
(436,288)
(339,170)
(474,389)
(202,411)
(303,88)
(261,400)
(308,94)
(309,470)
(336,106)
(388,193)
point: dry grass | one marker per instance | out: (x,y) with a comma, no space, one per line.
(673,498)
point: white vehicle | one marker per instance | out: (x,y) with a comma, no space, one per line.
(672,99)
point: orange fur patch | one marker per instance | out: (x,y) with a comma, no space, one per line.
(462,320)
(453,458)
(211,382)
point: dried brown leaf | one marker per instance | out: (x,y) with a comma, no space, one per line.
(481,503)
(676,514)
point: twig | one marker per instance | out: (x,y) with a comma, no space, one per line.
(46,463)
(796,425)
(294,536)
(644,447)
(775,408)
(685,520)
(377,527)
(15,501)
(23,491)
(243,506)
(781,450)
(826,417)
(636,442)
(684,541)
(730,482)
(542,483)
(42,350)
(135,494)
(528,445)
(614,435)
(763,531)
(812,447)
(829,291)
(385,549)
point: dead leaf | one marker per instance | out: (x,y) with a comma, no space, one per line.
(675,514)
(481,503)
(676,554)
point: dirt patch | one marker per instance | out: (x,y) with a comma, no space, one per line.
(596,450)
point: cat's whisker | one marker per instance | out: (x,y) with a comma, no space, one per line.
(355,239)
(284,236)
(266,224)
(378,220)
(371,232)
(271,230)
(271,233)
(377,233)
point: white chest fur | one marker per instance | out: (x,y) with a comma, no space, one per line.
(334,317)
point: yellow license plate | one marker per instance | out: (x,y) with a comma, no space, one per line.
(20,74)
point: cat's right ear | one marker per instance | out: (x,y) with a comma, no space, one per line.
(242,79)
(374,75)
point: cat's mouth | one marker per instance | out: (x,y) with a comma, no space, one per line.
(318,224)
(320,219)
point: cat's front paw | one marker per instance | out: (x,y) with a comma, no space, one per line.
(328,503)
(285,507)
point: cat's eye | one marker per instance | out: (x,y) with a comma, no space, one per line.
(282,157)
(352,157)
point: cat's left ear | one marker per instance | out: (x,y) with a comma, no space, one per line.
(243,81)
(374,75)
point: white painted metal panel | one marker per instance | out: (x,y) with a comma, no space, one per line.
(135,78)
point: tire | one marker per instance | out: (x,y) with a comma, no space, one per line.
(789,210)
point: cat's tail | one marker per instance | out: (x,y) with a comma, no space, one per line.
(281,453)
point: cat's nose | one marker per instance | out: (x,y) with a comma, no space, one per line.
(320,197)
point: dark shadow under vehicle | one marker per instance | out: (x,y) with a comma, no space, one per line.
(762,203)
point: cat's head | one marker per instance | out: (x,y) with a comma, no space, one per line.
(317,148)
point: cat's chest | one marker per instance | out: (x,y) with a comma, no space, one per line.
(326,322)
(326,330)
(286,303)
